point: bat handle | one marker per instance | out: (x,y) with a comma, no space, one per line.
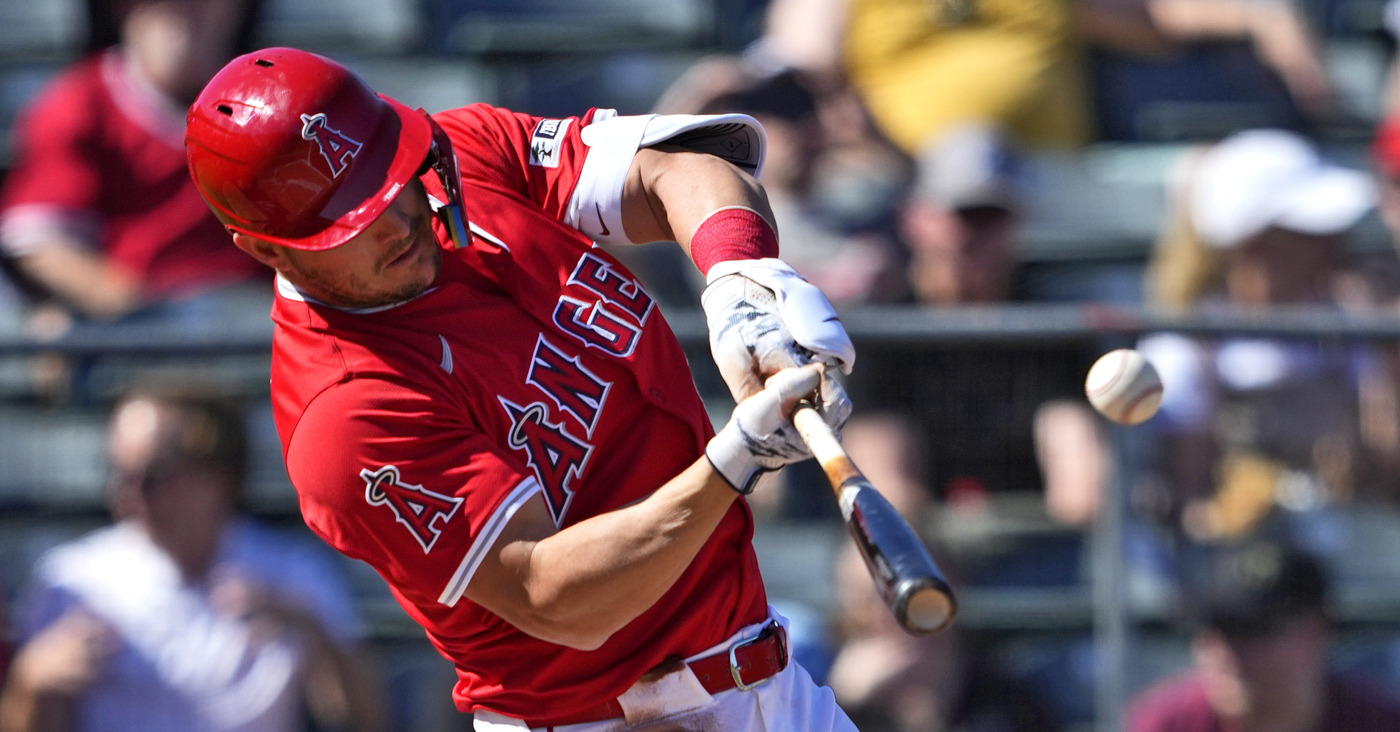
(821,440)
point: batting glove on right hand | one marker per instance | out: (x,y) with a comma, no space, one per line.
(760,436)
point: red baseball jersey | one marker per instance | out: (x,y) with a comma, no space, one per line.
(101,159)
(537,364)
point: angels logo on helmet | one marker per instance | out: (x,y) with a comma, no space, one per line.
(335,147)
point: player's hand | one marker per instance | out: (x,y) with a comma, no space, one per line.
(759,436)
(763,317)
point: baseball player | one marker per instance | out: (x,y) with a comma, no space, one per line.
(486,407)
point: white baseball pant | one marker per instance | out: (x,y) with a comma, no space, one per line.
(790,701)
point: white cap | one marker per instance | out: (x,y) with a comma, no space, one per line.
(1257,179)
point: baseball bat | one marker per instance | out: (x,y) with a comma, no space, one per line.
(905,575)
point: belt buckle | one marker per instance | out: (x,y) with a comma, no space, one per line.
(734,657)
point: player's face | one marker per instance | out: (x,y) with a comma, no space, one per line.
(395,259)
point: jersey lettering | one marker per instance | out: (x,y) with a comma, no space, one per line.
(336,148)
(424,512)
(616,288)
(556,457)
(564,379)
(595,325)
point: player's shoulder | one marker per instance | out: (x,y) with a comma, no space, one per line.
(366,398)
(484,114)
(359,414)
(489,136)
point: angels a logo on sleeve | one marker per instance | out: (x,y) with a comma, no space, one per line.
(422,511)
(544,143)
(335,147)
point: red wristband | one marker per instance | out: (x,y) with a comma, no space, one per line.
(732,233)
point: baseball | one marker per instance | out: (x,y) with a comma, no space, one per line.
(1124,387)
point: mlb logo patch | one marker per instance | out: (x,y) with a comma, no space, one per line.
(544,144)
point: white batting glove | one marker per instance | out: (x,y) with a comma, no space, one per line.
(759,437)
(763,317)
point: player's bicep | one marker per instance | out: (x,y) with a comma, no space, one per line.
(643,215)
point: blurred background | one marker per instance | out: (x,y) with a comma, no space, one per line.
(992,192)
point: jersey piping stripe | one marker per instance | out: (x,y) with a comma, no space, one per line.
(488,237)
(486,539)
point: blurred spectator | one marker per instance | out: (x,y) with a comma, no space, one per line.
(185,616)
(1390,20)
(923,68)
(1061,73)
(1000,419)
(831,180)
(890,681)
(1262,656)
(1385,161)
(1187,69)
(1260,221)
(962,223)
(1385,157)
(99,215)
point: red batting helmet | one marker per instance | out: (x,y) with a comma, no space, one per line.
(293,148)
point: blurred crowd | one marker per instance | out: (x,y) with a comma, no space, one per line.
(906,142)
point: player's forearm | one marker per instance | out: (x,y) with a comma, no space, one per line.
(669,193)
(586,582)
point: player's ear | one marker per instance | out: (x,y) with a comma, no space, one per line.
(262,250)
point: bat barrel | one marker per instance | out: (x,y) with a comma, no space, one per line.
(905,574)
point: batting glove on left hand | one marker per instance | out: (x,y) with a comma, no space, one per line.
(760,437)
(764,317)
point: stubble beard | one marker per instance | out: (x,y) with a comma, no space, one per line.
(353,293)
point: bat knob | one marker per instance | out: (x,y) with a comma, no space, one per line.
(928,610)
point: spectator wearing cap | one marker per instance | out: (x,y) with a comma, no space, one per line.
(963,218)
(1271,202)
(1261,656)
(1258,221)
